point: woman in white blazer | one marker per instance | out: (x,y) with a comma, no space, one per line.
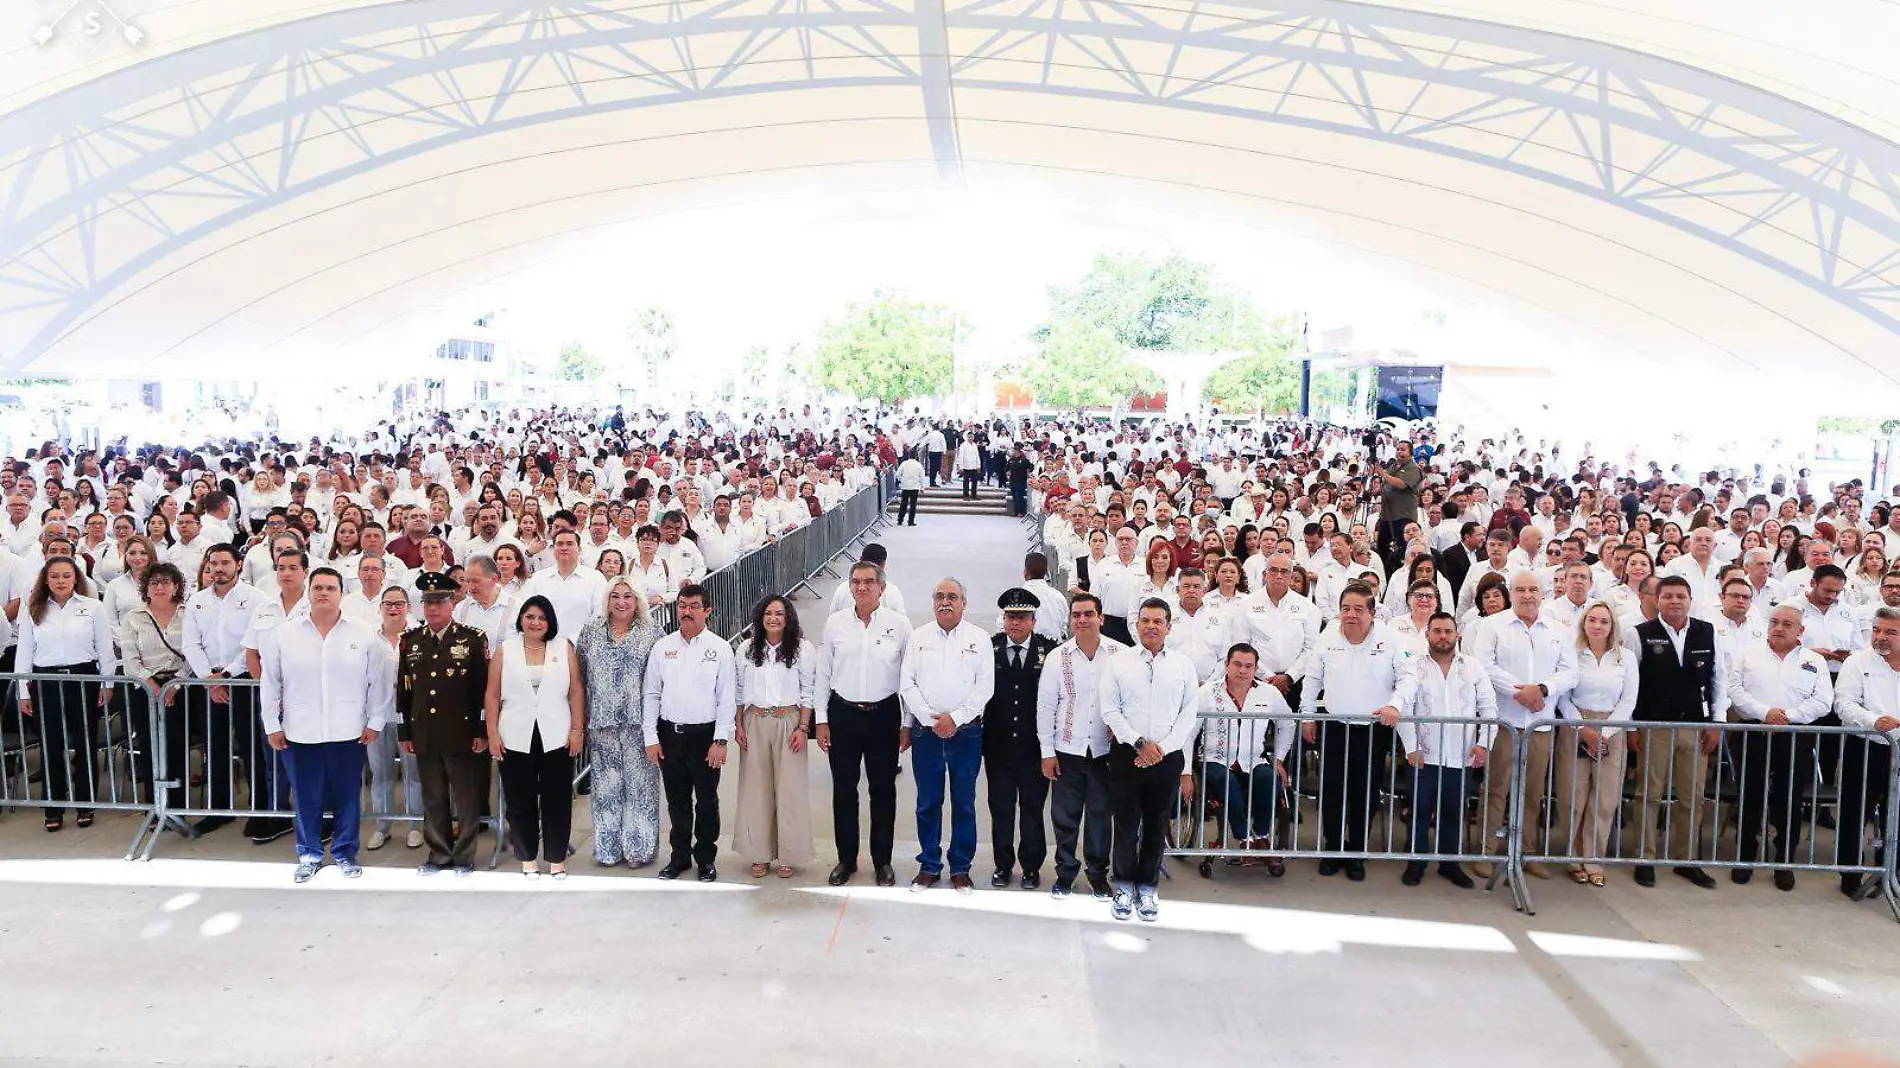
(536,716)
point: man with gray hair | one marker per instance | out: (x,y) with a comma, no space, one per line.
(487,607)
(949,674)
(860,724)
(1867,697)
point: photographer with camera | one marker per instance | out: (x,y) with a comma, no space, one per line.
(1398,494)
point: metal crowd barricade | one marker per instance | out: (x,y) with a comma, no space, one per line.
(87,746)
(1347,794)
(213,761)
(1739,796)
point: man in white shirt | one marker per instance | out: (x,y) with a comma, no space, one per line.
(1149,702)
(1237,713)
(1052,615)
(487,606)
(1497,547)
(683,559)
(216,619)
(577,593)
(328,689)
(1200,631)
(1699,566)
(1776,683)
(690,705)
(722,539)
(1867,697)
(949,674)
(1445,684)
(1357,669)
(910,483)
(188,552)
(860,723)
(1116,580)
(1075,745)
(1532,661)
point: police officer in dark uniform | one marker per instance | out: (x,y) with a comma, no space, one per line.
(1012,756)
(440,684)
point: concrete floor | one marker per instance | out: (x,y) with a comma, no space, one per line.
(209,956)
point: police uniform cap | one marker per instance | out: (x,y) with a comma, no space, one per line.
(1017,599)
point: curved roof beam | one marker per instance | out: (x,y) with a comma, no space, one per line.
(105,180)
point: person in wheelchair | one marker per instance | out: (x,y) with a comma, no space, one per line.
(1240,716)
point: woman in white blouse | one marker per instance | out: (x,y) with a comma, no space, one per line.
(1421,603)
(64,631)
(777,669)
(648,570)
(1589,759)
(536,715)
(123,593)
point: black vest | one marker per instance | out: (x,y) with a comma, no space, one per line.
(1672,691)
(1009,716)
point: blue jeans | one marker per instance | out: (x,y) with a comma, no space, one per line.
(1438,798)
(961,756)
(326,777)
(1247,817)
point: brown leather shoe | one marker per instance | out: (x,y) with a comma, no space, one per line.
(1536,870)
(962,884)
(924,881)
(1482,869)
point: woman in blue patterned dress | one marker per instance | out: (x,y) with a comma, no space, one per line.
(626,785)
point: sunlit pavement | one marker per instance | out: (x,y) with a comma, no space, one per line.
(209,955)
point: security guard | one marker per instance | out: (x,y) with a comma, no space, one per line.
(1012,756)
(440,684)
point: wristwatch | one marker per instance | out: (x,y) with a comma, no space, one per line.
(720,742)
(1543,689)
(1139,742)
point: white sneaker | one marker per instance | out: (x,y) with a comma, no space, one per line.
(415,840)
(1146,904)
(377,840)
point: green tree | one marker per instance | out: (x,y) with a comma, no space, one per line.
(892,347)
(574,364)
(1146,303)
(1082,365)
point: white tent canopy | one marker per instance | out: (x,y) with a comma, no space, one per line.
(274,181)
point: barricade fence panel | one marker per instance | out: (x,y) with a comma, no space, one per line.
(76,742)
(1259,790)
(1738,795)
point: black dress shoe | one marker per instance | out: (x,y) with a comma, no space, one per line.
(1032,880)
(841,874)
(1414,873)
(1850,883)
(886,875)
(1696,876)
(1356,870)
(1740,876)
(1330,867)
(1455,875)
(1062,887)
(999,880)
(674,869)
(1784,880)
(1645,875)
(708,874)
(211,823)
(269,830)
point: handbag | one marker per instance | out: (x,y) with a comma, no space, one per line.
(166,676)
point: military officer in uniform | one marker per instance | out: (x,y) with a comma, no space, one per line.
(1012,755)
(440,683)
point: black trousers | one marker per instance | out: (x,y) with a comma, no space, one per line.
(864,737)
(971,475)
(269,785)
(1352,760)
(64,712)
(1016,789)
(1389,535)
(1081,800)
(1116,627)
(692,792)
(1865,768)
(933,465)
(454,785)
(537,792)
(1144,800)
(1776,771)
(907,506)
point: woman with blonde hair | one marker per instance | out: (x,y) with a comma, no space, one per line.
(1588,758)
(624,783)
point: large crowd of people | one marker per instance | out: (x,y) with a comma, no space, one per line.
(463,590)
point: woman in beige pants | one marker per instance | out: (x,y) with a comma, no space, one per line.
(1589,757)
(775,679)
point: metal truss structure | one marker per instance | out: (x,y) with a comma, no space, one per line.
(115,176)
